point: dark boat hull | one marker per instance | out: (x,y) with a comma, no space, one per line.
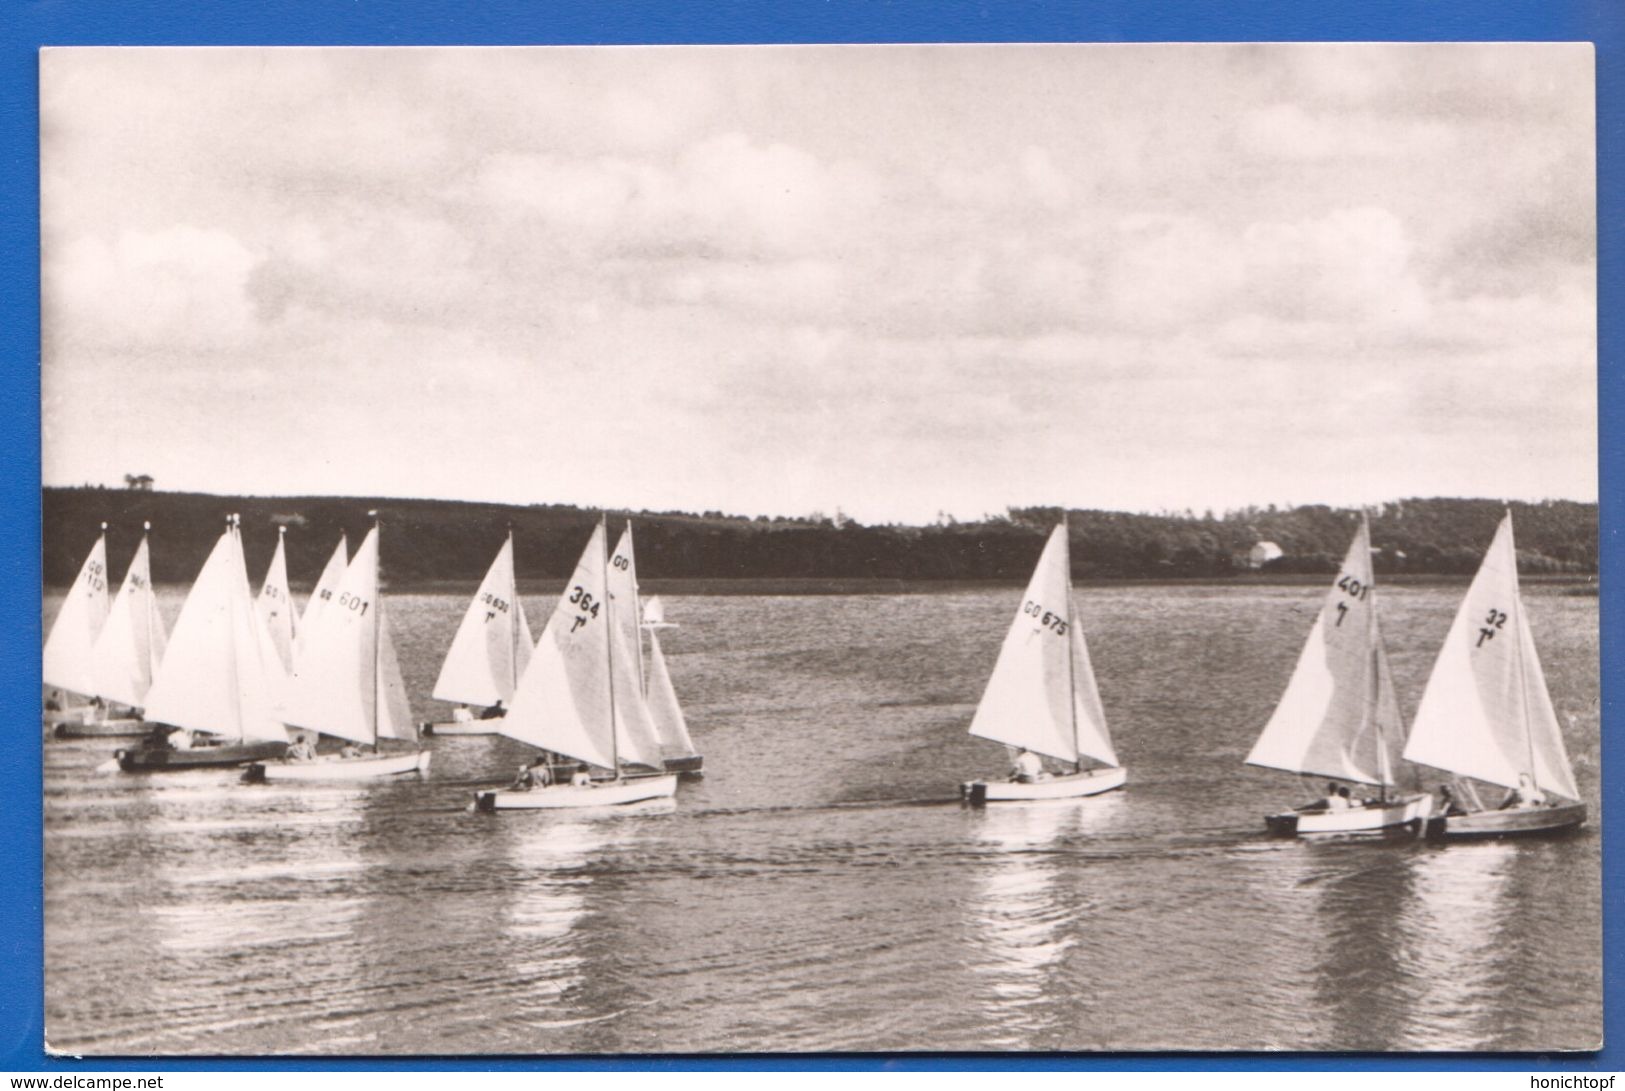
(163,759)
(1558,821)
(102,729)
(689,766)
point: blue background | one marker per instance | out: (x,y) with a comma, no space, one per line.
(28,26)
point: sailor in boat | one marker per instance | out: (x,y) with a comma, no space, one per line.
(1524,795)
(180,739)
(351,750)
(462,715)
(536,774)
(1028,768)
(495,712)
(581,779)
(1447,802)
(302,749)
(1337,799)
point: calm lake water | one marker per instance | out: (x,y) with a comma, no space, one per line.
(821,888)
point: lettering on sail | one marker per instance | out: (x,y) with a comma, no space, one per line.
(351,601)
(620,562)
(497,605)
(95,578)
(1492,624)
(582,600)
(1046,620)
(1353,588)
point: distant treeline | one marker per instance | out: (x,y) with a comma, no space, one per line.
(449,540)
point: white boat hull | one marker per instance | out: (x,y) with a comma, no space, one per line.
(1072,786)
(564,796)
(463,727)
(1374,818)
(331,769)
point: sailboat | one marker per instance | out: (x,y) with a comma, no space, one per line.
(127,652)
(275,604)
(488,655)
(347,683)
(579,697)
(654,683)
(1042,697)
(220,676)
(69,662)
(1339,716)
(1486,714)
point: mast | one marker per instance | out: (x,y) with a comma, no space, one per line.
(377,624)
(1071,668)
(609,650)
(1369,715)
(1523,679)
(151,604)
(513,617)
(236,685)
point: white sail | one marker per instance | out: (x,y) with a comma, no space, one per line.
(1486,712)
(341,683)
(635,724)
(219,673)
(663,706)
(564,699)
(654,613)
(1339,716)
(131,645)
(1042,696)
(322,594)
(493,644)
(69,659)
(275,604)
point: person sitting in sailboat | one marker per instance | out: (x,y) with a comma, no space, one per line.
(462,714)
(1524,795)
(495,712)
(1028,768)
(581,779)
(1335,800)
(180,739)
(350,750)
(536,774)
(302,749)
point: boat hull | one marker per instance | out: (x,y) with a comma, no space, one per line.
(162,759)
(1407,814)
(1072,786)
(332,769)
(567,796)
(1557,821)
(463,727)
(102,729)
(691,765)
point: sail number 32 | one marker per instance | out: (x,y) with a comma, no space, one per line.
(1495,620)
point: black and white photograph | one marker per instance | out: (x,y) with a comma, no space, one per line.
(611,550)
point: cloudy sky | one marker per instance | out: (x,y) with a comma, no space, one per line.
(888,280)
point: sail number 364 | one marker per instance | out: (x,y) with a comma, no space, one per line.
(582,600)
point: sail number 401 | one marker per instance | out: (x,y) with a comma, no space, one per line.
(1045,618)
(1354,589)
(582,600)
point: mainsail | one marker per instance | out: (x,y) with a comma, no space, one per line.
(220,673)
(492,647)
(276,605)
(131,645)
(347,681)
(1339,716)
(1042,696)
(69,656)
(633,717)
(565,699)
(1486,712)
(322,594)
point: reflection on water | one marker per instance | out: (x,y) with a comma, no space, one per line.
(1455,934)
(1024,921)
